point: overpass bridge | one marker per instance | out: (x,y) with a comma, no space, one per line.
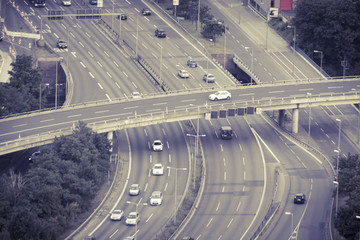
(38,128)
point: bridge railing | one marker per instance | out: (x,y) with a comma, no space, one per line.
(185,113)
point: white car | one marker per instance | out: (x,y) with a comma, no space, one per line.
(156,198)
(117,215)
(209,78)
(133,218)
(183,73)
(157,145)
(158,169)
(220,95)
(66,2)
(136,95)
(134,190)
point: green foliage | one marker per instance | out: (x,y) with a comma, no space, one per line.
(213,29)
(60,185)
(21,94)
(332,27)
(349,187)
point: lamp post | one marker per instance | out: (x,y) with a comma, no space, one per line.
(136,209)
(338,147)
(337,196)
(292,221)
(176,170)
(309,95)
(294,38)
(252,63)
(358,217)
(40,93)
(321,58)
(56,94)
(196,136)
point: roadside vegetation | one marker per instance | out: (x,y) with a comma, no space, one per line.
(346,221)
(62,181)
(329,26)
(22,93)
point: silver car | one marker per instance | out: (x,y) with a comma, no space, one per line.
(156,198)
(134,190)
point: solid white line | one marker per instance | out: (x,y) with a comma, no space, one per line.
(47,120)
(102,111)
(131,107)
(336,87)
(156,104)
(207,225)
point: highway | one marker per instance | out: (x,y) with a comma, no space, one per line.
(96,63)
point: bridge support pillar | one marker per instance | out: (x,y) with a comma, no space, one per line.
(295,120)
(281,117)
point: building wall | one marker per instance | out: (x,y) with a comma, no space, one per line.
(286,5)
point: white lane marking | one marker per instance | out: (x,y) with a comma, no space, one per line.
(99,64)
(97,43)
(188,100)
(20,125)
(48,120)
(117,85)
(81,44)
(224,162)
(72,116)
(87,34)
(132,107)
(166,185)
(108,97)
(280,91)
(149,217)
(91,75)
(240,147)
(221,147)
(163,130)
(217,207)
(224,176)
(232,219)
(208,224)
(103,111)
(153,110)
(168,145)
(134,84)
(150,158)
(106,54)
(335,87)
(246,94)
(125,74)
(238,206)
(146,185)
(169,173)
(109,74)
(100,86)
(82,64)
(90,54)
(306,89)
(243,161)
(156,104)
(114,233)
(145,132)
(115,64)
(223,189)
(169,158)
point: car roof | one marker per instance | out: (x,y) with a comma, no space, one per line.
(226,128)
(134,185)
(156,192)
(158,165)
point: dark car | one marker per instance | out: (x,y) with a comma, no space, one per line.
(191,63)
(187,238)
(146,12)
(93,2)
(122,16)
(299,198)
(160,33)
(61,44)
(226,132)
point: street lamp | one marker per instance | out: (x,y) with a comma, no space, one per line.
(309,95)
(176,170)
(321,58)
(337,196)
(137,205)
(294,38)
(252,62)
(196,148)
(56,94)
(46,84)
(292,221)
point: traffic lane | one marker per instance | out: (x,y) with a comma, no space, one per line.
(225,209)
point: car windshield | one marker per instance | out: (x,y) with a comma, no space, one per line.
(117,211)
(156,195)
(132,216)
(158,167)
(133,187)
(157,143)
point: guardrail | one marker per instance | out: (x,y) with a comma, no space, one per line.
(186,113)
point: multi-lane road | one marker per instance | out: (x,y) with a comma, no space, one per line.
(235,181)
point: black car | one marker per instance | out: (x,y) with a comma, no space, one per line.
(160,33)
(299,198)
(122,16)
(61,44)
(93,2)
(191,63)
(146,12)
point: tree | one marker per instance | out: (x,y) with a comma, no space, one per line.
(213,29)
(333,27)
